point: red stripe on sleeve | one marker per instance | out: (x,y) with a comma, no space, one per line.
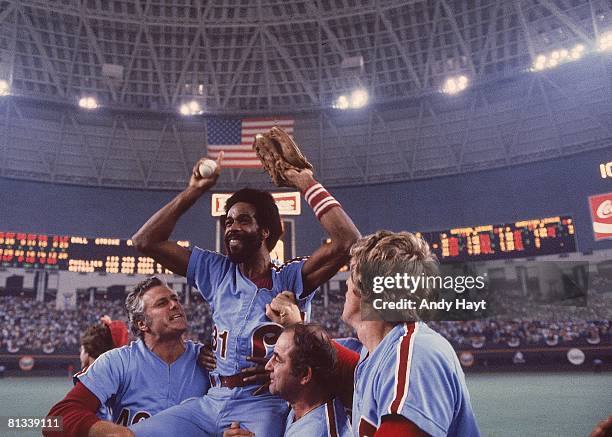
(331,418)
(402,372)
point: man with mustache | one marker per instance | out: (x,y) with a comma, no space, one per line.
(239,287)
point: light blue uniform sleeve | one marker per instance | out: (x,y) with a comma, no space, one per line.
(105,377)
(291,280)
(435,389)
(291,277)
(205,271)
(351,343)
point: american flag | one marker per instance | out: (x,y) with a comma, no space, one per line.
(235,137)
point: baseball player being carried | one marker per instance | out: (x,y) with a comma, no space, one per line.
(239,287)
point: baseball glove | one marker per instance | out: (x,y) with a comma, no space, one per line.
(279,153)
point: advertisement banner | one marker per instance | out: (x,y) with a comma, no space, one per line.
(601,213)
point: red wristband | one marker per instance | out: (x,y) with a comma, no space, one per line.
(319,199)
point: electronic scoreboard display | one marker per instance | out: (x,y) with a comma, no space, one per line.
(526,238)
(76,254)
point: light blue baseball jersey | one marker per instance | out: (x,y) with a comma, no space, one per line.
(351,343)
(134,383)
(414,372)
(103,412)
(327,420)
(241,327)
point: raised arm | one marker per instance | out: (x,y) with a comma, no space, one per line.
(327,259)
(152,239)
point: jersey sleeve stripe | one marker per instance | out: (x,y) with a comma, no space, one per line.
(297,259)
(331,419)
(402,370)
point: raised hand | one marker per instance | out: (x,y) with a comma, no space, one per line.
(198,181)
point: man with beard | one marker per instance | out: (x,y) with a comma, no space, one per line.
(239,287)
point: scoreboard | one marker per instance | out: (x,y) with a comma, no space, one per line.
(547,236)
(527,238)
(76,254)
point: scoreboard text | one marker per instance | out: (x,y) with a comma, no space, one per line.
(76,254)
(526,238)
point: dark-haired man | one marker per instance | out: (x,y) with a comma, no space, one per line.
(97,339)
(155,372)
(302,367)
(302,372)
(101,337)
(238,287)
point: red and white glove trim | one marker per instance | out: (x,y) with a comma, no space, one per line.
(320,200)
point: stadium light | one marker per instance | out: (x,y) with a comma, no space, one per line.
(557,57)
(605,42)
(342,102)
(88,103)
(454,85)
(4,88)
(577,51)
(357,99)
(190,108)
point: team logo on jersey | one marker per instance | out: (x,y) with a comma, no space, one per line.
(124,417)
(264,338)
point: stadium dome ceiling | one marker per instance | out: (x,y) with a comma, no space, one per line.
(142,59)
(245,56)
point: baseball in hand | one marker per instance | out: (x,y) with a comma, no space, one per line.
(207,168)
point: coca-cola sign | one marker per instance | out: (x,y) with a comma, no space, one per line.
(601,212)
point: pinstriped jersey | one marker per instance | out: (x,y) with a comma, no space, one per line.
(327,420)
(241,328)
(414,372)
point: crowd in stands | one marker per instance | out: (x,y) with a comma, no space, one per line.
(27,325)
(514,333)
(30,325)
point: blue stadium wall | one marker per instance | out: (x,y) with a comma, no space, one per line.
(542,189)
